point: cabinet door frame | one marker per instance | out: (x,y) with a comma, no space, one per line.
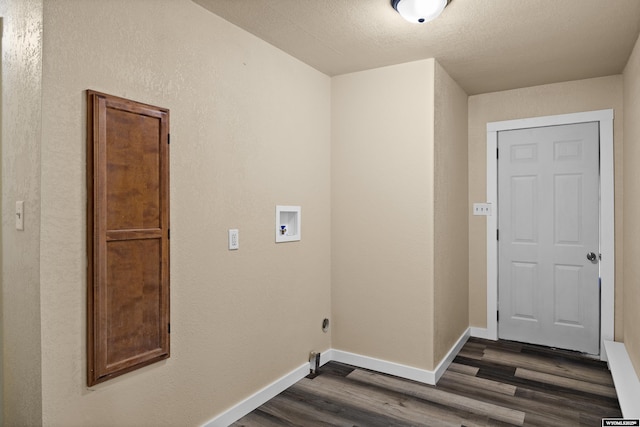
(101,365)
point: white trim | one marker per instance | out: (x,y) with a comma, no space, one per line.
(403,371)
(272,390)
(269,392)
(492,242)
(625,379)
(453,352)
(379,365)
(607,231)
(481,333)
(560,119)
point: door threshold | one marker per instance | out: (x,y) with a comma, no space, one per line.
(530,348)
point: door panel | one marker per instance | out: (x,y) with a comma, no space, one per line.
(133,171)
(548,216)
(567,286)
(524,279)
(567,191)
(127,236)
(523,211)
(133,299)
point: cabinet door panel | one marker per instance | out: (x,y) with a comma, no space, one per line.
(127,236)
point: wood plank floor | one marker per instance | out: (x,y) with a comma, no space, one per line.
(488,384)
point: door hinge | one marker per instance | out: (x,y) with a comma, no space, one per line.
(497,234)
(498,316)
(497,153)
(168,138)
(168,328)
(169,234)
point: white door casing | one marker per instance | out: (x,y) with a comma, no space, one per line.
(607,232)
(548,221)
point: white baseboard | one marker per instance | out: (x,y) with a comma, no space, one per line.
(269,392)
(624,376)
(379,365)
(453,352)
(422,375)
(625,379)
(429,377)
(483,333)
(399,370)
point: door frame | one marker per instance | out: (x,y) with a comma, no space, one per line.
(607,229)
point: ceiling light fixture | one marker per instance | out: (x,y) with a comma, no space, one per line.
(419,11)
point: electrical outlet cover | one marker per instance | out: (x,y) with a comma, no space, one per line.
(482,209)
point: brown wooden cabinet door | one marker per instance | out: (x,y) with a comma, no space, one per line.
(127,236)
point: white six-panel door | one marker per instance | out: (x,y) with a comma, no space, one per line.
(548,221)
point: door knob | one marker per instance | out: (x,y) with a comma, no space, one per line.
(591,257)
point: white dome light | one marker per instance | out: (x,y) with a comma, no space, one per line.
(419,11)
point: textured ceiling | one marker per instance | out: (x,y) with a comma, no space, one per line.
(485,45)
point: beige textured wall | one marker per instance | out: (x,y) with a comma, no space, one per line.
(1,243)
(250,129)
(451,214)
(632,206)
(21,117)
(382,213)
(558,98)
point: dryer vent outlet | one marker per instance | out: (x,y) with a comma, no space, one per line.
(325,325)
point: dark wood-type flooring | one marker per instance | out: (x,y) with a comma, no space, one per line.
(488,384)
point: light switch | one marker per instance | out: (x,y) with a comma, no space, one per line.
(20,215)
(482,209)
(234,243)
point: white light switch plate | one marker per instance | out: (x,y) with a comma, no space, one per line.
(482,209)
(234,242)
